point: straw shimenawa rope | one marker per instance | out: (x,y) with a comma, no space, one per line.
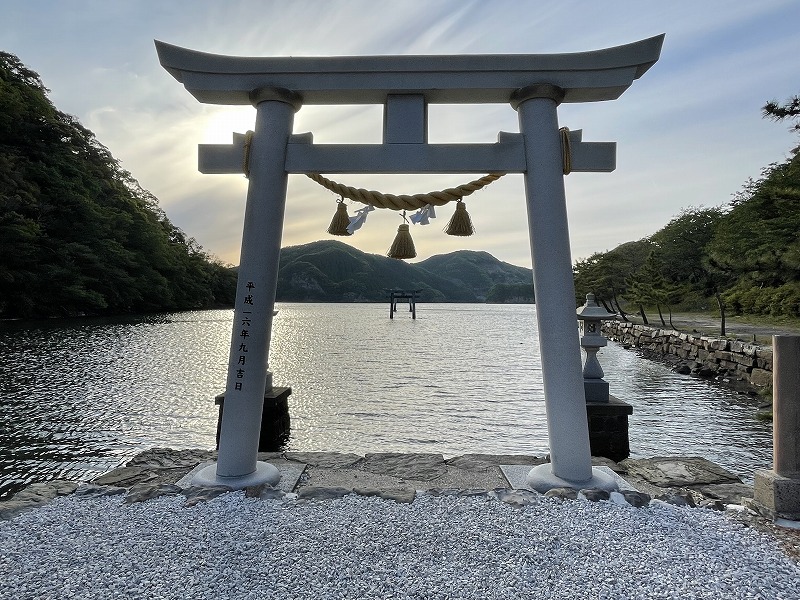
(566,151)
(403,201)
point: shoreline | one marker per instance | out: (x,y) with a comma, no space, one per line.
(688,482)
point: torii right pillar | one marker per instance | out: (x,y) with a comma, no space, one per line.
(570,457)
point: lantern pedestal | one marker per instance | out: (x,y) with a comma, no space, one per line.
(275,420)
(608,428)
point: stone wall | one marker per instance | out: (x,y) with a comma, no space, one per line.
(700,355)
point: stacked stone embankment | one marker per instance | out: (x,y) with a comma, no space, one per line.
(700,355)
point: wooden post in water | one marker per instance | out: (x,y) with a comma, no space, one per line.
(411,296)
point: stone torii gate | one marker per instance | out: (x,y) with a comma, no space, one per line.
(534,85)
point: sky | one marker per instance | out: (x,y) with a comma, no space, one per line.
(689,133)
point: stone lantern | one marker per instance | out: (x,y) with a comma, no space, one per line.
(608,416)
(591,317)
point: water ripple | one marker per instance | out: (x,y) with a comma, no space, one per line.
(80,397)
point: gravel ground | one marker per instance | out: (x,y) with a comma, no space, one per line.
(358,547)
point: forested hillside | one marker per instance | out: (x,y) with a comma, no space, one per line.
(78,235)
(330,271)
(743,258)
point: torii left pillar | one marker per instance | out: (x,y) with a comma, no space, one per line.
(237,465)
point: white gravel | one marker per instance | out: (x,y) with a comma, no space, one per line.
(357,547)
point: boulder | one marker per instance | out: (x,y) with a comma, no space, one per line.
(636,499)
(313,492)
(197,494)
(727,493)
(264,492)
(141,492)
(562,493)
(401,495)
(516,498)
(98,491)
(760,377)
(594,494)
(34,496)
(678,498)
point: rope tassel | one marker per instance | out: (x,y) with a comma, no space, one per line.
(460,223)
(403,245)
(340,221)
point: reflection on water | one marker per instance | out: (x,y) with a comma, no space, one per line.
(79,397)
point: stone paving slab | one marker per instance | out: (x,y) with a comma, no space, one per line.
(482,461)
(325,460)
(415,466)
(448,477)
(397,476)
(670,471)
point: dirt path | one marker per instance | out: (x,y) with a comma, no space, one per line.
(736,327)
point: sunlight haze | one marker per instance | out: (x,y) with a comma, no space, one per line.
(688,133)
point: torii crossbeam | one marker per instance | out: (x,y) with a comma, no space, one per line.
(533,84)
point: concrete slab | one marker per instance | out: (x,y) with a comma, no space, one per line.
(290,474)
(516,475)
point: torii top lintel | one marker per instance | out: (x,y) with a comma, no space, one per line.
(460,79)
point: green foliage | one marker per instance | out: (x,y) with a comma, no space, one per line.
(758,239)
(788,110)
(511,293)
(783,300)
(608,275)
(78,234)
(745,256)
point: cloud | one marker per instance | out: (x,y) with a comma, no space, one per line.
(688,133)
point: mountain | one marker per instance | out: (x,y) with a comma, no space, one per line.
(330,271)
(480,272)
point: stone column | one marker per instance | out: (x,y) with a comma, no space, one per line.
(777,492)
(568,429)
(237,464)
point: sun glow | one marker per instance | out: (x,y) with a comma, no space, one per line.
(222,122)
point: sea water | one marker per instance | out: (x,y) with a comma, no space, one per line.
(79,397)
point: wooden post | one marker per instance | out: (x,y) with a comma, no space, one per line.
(777,492)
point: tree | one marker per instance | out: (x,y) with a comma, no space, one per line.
(78,234)
(608,274)
(757,245)
(788,110)
(681,248)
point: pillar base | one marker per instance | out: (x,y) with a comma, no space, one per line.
(541,479)
(777,496)
(264,473)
